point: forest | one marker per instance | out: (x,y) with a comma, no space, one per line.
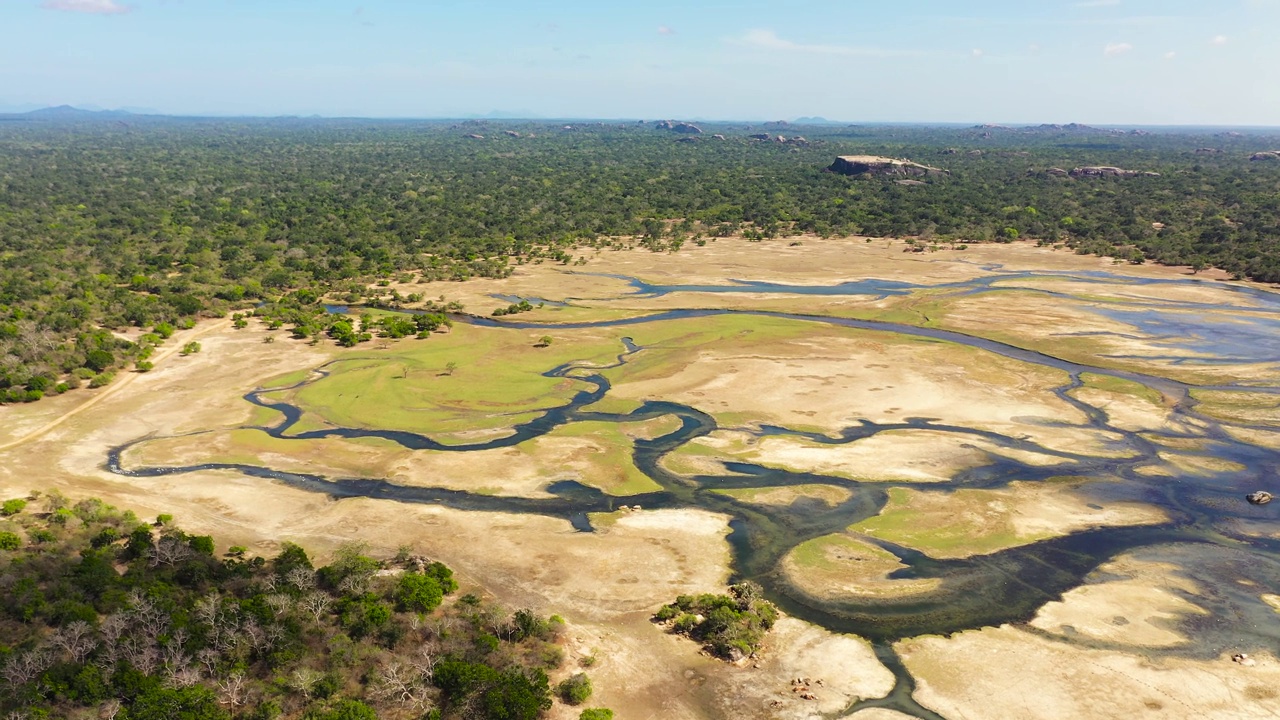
(106,616)
(152,223)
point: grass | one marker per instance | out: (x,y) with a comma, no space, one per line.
(497,373)
(962,525)
(611,468)
(815,554)
(1121,386)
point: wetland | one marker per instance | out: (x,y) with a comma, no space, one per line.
(1004,451)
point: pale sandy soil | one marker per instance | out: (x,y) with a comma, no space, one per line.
(1000,673)
(1133,605)
(845,665)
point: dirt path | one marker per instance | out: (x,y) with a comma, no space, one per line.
(179,339)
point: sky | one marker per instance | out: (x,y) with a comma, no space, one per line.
(1124,62)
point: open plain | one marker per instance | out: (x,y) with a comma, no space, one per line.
(999,482)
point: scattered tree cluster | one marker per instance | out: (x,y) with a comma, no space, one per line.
(729,626)
(103,615)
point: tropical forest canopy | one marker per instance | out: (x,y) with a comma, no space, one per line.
(119,221)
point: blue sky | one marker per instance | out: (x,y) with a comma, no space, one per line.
(1093,61)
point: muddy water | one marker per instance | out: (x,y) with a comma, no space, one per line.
(1004,587)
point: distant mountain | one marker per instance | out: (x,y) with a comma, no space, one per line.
(67,112)
(815,120)
(504,115)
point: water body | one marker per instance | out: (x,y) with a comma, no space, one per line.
(1008,586)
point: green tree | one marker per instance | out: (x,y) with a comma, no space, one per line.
(575,690)
(596,714)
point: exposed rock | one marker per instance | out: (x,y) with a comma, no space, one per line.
(761,136)
(874,165)
(1108,171)
(474,136)
(1057,172)
(974,153)
(1208,151)
(951,151)
(680,127)
(777,125)
(718,137)
(1243,659)
(1262,497)
(909,182)
(800,140)
(1266,155)
(511,133)
(687,140)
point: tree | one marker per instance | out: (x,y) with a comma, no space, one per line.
(545,341)
(450,367)
(575,690)
(191,348)
(190,703)
(418,592)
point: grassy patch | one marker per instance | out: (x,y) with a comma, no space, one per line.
(962,522)
(470,379)
(1120,386)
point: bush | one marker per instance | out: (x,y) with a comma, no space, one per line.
(12,507)
(596,714)
(10,541)
(575,690)
(101,380)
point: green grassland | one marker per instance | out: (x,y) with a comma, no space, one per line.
(498,375)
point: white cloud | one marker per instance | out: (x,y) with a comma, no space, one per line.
(1034,47)
(769,40)
(1115,49)
(96,7)
(1218,40)
(1170,55)
(976,53)
(666,30)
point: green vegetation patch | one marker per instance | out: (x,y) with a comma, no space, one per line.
(470,379)
(962,525)
(730,626)
(135,605)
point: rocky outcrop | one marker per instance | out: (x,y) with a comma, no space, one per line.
(1262,497)
(1208,151)
(511,133)
(474,136)
(858,165)
(718,137)
(687,140)
(1057,172)
(761,136)
(1267,155)
(1108,171)
(680,127)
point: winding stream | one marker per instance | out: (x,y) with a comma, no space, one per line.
(1008,586)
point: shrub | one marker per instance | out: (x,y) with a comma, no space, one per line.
(575,690)
(12,507)
(596,714)
(10,541)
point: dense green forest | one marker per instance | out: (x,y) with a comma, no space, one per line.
(152,222)
(105,616)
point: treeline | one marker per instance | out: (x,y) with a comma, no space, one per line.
(104,615)
(149,221)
